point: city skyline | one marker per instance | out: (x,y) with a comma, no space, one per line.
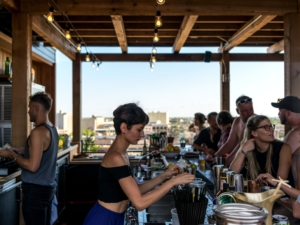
(181,89)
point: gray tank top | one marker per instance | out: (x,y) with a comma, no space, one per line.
(45,175)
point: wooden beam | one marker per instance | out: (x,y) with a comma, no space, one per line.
(186,57)
(175,7)
(277,47)
(77,101)
(11,5)
(255,24)
(184,31)
(52,36)
(21,54)
(225,82)
(120,31)
(6,44)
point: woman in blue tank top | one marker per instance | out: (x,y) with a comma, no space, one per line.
(116,184)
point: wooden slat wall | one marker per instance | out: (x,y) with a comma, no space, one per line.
(3,55)
(45,75)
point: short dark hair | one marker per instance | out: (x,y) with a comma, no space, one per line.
(42,98)
(224,117)
(242,97)
(211,114)
(130,114)
(200,117)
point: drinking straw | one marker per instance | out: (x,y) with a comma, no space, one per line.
(280,182)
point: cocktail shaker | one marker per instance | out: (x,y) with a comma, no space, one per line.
(217,172)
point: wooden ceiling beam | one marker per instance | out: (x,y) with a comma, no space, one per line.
(11,5)
(185,57)
(277,47)
(176,7)
(184,31)
(246,31)
(53,36)
(120,31)
(6,44)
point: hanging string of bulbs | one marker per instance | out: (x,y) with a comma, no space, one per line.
(80,42)
(158,23)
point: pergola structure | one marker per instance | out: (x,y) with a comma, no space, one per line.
(125,23)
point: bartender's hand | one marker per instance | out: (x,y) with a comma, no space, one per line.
(20,151)
(174,170)
(183,178)
(249,145)
(210,151)
(6,153)
(266,178)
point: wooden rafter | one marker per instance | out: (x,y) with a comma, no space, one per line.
(277,47)
(52,36)
(184,31)
(182,7)
(120,31)
(11,5)
(252,26)
(185,57)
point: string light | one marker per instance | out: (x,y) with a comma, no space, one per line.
(153,59)
(98,66)
(50,17)
(160,2)
(93,64)
(87,57)
(154,50)
(158,21)
(78,46)
(67,34)
(155,38)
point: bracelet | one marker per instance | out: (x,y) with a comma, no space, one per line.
(243,152)
(298,199)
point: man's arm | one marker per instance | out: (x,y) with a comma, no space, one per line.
(296,208)
(232,155)
(293,140)
(232,140)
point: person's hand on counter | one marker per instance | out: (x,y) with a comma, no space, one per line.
(7,153)
(174,170)
(18,150)
(183,178)
(266,178)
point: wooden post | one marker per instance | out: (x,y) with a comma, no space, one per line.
(77,102)
(291,56)
(21,88)
(225,82)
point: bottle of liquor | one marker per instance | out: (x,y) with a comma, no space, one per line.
(145,149)
(7,66)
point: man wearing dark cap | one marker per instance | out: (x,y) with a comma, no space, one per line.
(289,114)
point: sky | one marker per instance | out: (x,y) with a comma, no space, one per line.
(181,89)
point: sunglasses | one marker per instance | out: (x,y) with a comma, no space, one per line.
(244,101)
(267,127)
(279,100)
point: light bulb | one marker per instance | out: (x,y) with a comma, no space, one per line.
(93,64)
(50,17)
(160,2)
(152,64)
(78,47)
(68,35)
(158,21)
(87,58)
(155,38)
(151,69)
(154,50)
(153,59)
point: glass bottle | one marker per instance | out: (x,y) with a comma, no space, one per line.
(145,149)
(7,66)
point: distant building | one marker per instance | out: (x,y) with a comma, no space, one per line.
(159,117)
(64,122)
(92,123)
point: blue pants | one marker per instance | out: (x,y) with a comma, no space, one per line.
(99,215)
(36,205)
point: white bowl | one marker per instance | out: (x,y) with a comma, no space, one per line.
(170,154)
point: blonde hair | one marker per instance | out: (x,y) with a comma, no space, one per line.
(253,169)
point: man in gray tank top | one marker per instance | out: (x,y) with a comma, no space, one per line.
(38,163)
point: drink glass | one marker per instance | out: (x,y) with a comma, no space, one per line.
(202,160)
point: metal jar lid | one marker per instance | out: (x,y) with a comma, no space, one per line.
(236,213)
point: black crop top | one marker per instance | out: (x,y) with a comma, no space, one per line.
(109,188)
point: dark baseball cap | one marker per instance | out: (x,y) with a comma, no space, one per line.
(291,103)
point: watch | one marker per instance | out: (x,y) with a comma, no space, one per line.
(298,199)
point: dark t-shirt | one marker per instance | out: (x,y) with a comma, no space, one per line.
(204,137)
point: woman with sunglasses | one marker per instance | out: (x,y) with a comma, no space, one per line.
(260,152)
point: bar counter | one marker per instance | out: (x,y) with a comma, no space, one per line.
(281,207)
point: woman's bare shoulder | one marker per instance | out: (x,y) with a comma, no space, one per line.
(113,159)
